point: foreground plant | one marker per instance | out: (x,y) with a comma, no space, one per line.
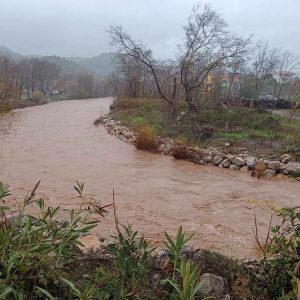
(281,263)
(131,257)
(190,282)
(35,250)
(175,246)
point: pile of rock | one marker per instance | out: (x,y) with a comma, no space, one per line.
(115,128)
(211,156)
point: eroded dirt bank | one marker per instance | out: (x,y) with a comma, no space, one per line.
(59,144)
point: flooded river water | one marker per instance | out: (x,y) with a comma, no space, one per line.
(58,144)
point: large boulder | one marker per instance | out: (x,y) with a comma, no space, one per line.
(269,173)
(251,162)
(244,169)
(207,158)
(225,163)
(217,160)
(230,157)
(239,161)
(234,167)
(285,158)
(213,285)
(290,168)
(274,165)
(216,152)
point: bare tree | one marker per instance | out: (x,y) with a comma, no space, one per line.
(287,62)
(207,47)
(263,65)
(7,79)
(126,45)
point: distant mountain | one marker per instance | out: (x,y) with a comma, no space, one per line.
(66,65)
(101,65)
(7,52)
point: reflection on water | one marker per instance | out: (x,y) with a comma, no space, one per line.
(58,144)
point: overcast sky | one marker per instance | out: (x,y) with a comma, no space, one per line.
(78,27)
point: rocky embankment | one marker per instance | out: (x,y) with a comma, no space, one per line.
(256,166)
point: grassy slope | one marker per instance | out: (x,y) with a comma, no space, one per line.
(257,131)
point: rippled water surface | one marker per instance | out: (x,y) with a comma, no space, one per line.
(57,143)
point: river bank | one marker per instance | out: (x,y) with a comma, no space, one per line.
(58,144)
(255,166)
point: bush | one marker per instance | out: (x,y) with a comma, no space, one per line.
(35,250)
(180,152)
(281,263)
(37,97)
(5,106)
(145,138)
(131,258)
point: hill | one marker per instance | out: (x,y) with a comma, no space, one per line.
(7,52)
(101,65)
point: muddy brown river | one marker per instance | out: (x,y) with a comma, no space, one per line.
(58,144)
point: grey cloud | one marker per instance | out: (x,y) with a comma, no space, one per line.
(79,27)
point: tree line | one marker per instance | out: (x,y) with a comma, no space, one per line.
(212,65)
(20,79)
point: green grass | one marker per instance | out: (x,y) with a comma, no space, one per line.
(241,126)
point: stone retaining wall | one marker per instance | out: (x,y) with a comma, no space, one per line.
(260,167)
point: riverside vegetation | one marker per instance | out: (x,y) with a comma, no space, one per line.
(262,144)
(41,259)
(260,132)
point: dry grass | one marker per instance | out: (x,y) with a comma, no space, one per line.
(145,138)
(260,167)
(180,152)
(5,106)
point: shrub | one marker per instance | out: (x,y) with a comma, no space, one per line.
(281,262)
(190,282)
(37,97)
(5,106)
(145,138)
(175,246)
(179,150)
(131,257)
(35,250)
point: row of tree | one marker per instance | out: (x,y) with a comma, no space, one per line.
(19,79)
(208,54)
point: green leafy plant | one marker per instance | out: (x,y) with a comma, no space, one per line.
(190,284)
(87,294)
(175,246)
(281,255)
(131,257)
(34,250)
